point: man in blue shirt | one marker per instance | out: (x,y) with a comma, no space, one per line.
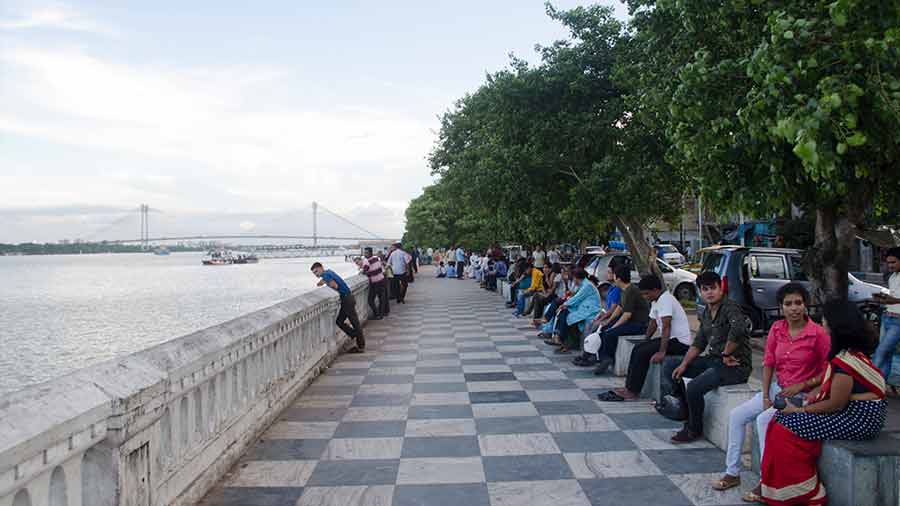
(460,262)
(348,305)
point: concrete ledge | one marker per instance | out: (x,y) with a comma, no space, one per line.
(719,404)
(623,353)
(856,473)
(503,288)
(653,384)
(160,426)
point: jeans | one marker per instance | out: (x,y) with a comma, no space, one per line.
(707,374)
(399,286)
(610,337)
(460,267)
(379,290)
(890,336)
(737,428)
(521,299)
(348,312)
(540,304)
(639,363)
(490,281)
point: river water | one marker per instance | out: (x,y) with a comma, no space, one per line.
(62,313)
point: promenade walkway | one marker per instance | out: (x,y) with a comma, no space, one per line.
(457,404)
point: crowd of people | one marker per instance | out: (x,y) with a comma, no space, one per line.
(389,274)
(818,381)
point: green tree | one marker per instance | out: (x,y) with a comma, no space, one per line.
(793,103)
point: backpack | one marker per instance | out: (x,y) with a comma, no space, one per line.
(674,405)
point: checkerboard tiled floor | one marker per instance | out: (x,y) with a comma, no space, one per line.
(458,404)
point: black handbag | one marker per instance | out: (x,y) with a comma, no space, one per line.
(674,406)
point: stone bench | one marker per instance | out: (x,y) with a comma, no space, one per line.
(653,384)
(856,473)
(623,353)
(503,288)
(719,402)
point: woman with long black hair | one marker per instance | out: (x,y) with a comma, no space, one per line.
(848,405)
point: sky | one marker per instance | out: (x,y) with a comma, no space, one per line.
(233,117)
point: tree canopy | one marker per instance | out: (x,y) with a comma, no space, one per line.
(759,106)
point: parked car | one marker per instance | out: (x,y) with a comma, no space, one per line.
(678,281)
(670,254)
(752,276)
(861,291)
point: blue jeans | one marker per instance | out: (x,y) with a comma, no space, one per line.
(890,336)
(521,298)
(610,337)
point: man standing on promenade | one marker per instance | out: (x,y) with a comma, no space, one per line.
(399,261)
(539,257)
(372,268)
(460,262)
(348,305)
(890,319)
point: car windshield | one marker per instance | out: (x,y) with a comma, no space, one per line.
(712,262)
(668,249)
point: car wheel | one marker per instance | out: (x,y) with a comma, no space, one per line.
(684,291)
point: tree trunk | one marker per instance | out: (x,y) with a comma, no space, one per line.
(635,235)
(827,262)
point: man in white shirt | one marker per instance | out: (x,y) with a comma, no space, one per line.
(668,317)
(539,257)
(399,261)
(890,319)
(553,256)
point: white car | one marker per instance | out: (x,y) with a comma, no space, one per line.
(860,291)
(680,282)
(670,254)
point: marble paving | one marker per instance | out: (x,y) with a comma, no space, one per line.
(456,403)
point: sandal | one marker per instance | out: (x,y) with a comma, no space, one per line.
(610,396)
(754,495)
(562,350)
(726,482)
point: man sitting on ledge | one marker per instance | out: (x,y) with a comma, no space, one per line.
(723,327)
(667,315)
(633,320)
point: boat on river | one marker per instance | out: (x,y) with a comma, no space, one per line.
(225,257)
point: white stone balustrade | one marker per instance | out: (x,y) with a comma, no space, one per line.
(161,426)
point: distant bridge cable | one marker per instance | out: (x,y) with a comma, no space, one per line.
(345,220)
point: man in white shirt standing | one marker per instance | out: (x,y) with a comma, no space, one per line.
(890,319)
(553,256)
(399,261)
(539,257)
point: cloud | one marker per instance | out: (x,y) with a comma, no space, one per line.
(247,225)
(58,17)
(204,135)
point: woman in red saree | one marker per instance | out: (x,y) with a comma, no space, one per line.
(849,405)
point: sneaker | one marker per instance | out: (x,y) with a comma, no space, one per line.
(603,365)
(685,435)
